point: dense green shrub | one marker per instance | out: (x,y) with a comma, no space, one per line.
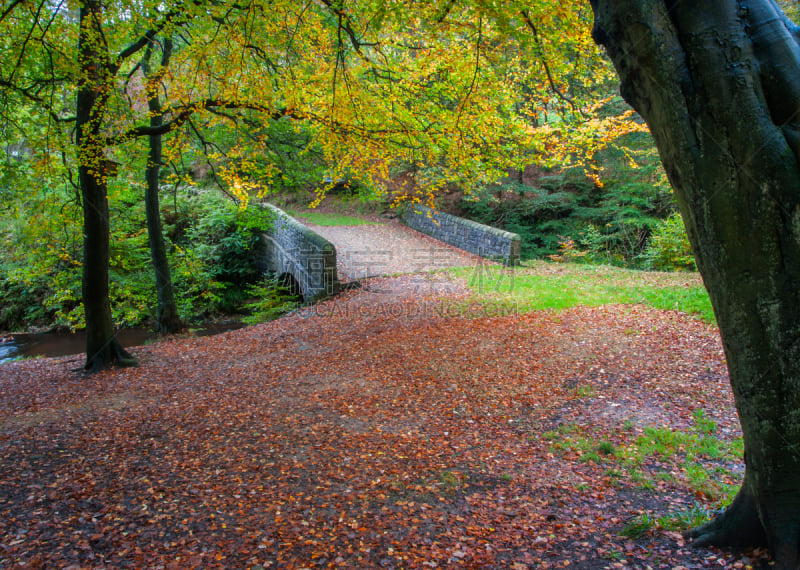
(669,247)
(539,216)
(219,243)
(39,248)
(209,242)
(21,299)
(569,209)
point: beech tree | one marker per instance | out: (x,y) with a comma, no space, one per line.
(167,319)
(718,83)
(42,73)
(98,68)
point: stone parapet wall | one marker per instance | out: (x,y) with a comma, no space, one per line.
(290,247)
(485,241)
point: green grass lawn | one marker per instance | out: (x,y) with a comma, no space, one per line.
(545,285)
(328,219)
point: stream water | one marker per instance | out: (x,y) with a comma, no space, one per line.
(21,345)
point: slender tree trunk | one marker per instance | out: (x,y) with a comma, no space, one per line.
(167,320)
(718,82)
(102,347)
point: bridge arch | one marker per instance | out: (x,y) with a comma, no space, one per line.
(288,248)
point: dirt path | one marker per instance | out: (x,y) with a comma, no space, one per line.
(389,249)
(375,430)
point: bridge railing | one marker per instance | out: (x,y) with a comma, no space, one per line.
(485,241)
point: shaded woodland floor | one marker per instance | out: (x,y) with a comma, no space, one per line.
(376,430)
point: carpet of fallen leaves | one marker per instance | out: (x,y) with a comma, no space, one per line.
(376,430)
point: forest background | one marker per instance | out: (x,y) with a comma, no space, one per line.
(508,115)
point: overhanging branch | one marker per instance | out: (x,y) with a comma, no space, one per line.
(346,24)
(184,113)
(540,52)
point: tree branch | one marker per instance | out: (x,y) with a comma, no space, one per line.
(26,92)
(169,18)
(540,52)
(8,10)
(26,41)
(185,112)
(346,24)
(445,12)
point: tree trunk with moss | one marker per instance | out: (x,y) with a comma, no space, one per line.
(718,82)
(167,319)
(102,347)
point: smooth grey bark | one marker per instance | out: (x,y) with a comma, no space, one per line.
(167,319)
(102,347)
(718,83)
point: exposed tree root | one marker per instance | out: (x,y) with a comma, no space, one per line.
(738,525)
(111,355)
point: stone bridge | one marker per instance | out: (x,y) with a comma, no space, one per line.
(303,261)
(306,262)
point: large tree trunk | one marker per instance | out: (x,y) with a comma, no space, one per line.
(167,320)
(102,347)
(718,82)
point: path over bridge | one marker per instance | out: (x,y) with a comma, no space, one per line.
(380,249)
(319,257)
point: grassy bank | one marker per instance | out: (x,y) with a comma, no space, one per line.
(327,218)
(544,285)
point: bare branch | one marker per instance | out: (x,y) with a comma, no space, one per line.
(185,112)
